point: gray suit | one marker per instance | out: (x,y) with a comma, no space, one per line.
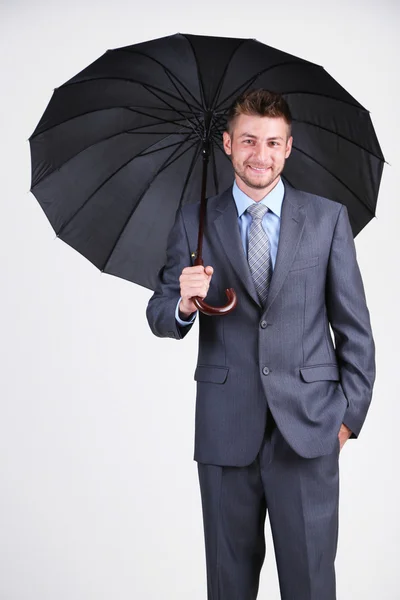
(275,363)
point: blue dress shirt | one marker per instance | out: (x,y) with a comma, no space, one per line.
(271,224)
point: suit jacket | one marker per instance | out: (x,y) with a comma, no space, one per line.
(281,355)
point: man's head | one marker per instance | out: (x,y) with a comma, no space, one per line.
(258,140)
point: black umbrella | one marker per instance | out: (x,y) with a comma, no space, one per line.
(127,141)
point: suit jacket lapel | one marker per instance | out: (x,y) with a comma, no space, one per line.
(224,217)
(292,225)
(227,227)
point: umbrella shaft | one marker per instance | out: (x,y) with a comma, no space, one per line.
(203,202)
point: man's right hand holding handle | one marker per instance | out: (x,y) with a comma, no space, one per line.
(194,281)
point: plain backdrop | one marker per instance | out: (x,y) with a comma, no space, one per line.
(99,494)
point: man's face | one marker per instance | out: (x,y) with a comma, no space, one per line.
(258,147)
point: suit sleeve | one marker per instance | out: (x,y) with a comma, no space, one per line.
(161,307)
(349,318)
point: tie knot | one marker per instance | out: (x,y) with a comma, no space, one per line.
(257,211)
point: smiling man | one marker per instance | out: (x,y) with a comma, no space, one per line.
(277,397)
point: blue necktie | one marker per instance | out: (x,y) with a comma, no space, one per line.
(258,255)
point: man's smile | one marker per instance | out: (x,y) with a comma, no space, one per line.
(259,169)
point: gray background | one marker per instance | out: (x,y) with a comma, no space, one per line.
(97,501)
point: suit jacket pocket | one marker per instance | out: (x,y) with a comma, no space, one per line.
(320,373)
(211,373)
(304,263)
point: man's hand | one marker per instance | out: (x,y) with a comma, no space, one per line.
(194,281)
(344,434)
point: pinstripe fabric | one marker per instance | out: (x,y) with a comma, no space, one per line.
(258,255)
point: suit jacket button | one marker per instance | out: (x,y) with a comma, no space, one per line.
(265,371)
(263,324)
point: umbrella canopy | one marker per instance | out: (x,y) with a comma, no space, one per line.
(119,147)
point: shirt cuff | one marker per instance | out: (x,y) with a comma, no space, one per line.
(179,320)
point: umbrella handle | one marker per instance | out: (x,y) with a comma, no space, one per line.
(217,310)
(209,310)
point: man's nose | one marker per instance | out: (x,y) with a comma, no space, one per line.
(262,153)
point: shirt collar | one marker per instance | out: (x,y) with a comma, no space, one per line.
(273,200)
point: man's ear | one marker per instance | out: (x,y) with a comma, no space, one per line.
(226,138)
(289,147)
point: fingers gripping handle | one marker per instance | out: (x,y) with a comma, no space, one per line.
(211,311)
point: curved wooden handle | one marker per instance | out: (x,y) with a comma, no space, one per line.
(217,310)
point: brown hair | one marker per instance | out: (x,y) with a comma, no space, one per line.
(263,103)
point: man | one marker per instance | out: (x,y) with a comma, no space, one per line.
(276,399)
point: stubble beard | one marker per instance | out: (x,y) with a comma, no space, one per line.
(240,172)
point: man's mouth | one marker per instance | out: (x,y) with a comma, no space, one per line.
(258,169)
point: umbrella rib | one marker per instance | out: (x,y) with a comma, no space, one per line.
(218,143)
(203,100)
(170,75)
(189,173)
(166,109)
(184,100)
(220,148)
(108,179)
(106,139)
(284,176)
(357,107)
(218,129)
(89,112)
(286,64)
(147,152)
(335,177)
(222,79)
(251,80)
(160,170)
(339,135)
(145,85)
(135,130)
(179,155)
(166,69)
(176,110)
(177,122)
(222,115)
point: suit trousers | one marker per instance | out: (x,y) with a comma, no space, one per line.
(301,497)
